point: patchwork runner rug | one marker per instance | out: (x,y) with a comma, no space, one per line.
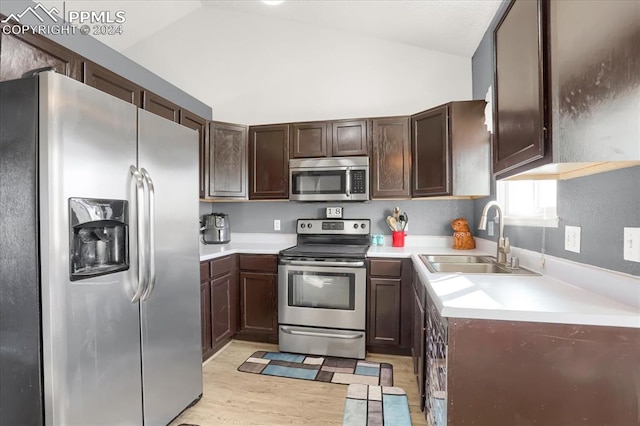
(320,368)
(376,406)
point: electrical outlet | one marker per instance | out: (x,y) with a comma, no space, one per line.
(572,238)
(490,228)
(632,244)
(276,225)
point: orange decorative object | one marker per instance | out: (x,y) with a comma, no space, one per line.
(462,237)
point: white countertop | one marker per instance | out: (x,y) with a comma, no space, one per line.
(248,244)
(584,295)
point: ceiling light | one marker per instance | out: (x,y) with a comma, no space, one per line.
(272,2)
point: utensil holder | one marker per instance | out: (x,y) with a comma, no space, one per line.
(397,238)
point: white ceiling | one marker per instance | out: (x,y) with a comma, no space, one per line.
(450,26)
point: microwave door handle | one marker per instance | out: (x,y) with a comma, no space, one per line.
(347,174)
(142,262)
(151,225)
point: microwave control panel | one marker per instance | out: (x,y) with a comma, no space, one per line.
(358,181)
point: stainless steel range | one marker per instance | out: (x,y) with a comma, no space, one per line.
(322,288)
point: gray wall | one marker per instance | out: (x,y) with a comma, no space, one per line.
(425,217)
(101,54)
(602,204)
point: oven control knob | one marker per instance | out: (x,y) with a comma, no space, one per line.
(355,226)
(363,225)
(302,225)
(309,225)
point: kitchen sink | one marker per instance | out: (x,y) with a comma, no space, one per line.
(457,259)
(470,265)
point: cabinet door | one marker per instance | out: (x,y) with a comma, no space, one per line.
(435,366)
(109,82)
(199,124)
(309,140)
(349,137)
(227,161)
(26,52)
(390,163)
(431,153)
(417,350)
(384,312)
(521,116)
(160,106)
(221,311)
(258,295)
(205,312)
(269,162)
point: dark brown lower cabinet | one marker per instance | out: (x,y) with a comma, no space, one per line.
(389,327)
(218,303)
(419,337)
(258,298)
(489,372)
(222,310)
(205,312)
(516,373)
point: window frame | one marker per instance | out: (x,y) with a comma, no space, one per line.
(533,219)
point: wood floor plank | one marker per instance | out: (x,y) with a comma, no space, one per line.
(231,397)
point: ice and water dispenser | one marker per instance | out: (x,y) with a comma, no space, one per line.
(98,236)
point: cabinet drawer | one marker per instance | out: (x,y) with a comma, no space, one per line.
(221,266)
(204,271)
(385,268)
(267,263)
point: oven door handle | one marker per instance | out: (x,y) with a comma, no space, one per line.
(353,264)
(319,334)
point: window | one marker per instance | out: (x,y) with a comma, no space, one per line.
(528,202)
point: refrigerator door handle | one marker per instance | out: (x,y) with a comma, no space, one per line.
(142,261)
(151,225)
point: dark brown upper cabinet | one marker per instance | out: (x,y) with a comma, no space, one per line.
(269,162)
(391,160)
(521,85)
(310,140)
(451,151)
(109,82)
(160,106)
(226,168)
(195,122)
(349,137)
(27,52)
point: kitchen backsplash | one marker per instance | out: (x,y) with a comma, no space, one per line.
(430,217)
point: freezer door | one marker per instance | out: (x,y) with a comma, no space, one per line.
(90,328)
(170,308)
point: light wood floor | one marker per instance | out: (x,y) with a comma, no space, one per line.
(235,398)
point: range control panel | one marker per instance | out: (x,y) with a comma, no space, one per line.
(334,226)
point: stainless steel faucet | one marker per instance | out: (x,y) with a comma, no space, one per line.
(503,243)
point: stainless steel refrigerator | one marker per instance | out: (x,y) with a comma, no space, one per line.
(99,286)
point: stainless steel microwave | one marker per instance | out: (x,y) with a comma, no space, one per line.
(329,179)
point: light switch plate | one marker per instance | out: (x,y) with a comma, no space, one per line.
(632,244)
(276,224)
(572,238)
